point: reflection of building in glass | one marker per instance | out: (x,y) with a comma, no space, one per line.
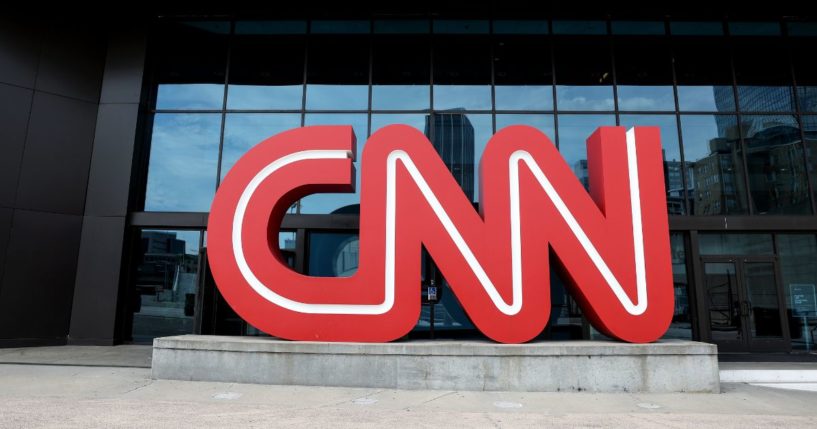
(717,177)
(774,159)
(165,266)
(453,138)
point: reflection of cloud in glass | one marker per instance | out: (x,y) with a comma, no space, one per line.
(542,121)
(326,203)
(471,97)
(337,97)
(638,97)
(262,97)
(585,97)
(669,131)
(401,97)
(416,120)
(202,96)
(242,131)
(705,98)
(524,97)
(573,133)
(183,158)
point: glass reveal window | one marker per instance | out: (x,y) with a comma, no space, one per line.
(763,76)
(462,73)
(523,74)
(644,82)
(266,73)
(338,73)
(242,131)
(584,75)
(704,75)
(401,73)
(190,63)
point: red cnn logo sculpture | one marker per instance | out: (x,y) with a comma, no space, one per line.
(611,245)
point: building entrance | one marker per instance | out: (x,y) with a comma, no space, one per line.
(744,304)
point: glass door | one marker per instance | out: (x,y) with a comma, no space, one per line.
(743,304)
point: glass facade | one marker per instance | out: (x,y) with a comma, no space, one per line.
(736,104)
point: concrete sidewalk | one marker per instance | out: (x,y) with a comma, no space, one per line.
(60,394)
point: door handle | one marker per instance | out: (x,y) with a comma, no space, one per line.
(745,308)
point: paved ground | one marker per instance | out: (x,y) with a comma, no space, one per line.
(59,394)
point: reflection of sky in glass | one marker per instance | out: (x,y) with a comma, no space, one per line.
(645,98)
(524,97)
(201,96)
(543,122)
(337,97)
(584,97)
(242,131)
(470,97)
(401,97)
(574,131)
(669,131)
(416,120)
(183,161)
(265,97)
(705,98)
(326,203)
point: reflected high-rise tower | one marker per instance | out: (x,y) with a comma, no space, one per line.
(453,138)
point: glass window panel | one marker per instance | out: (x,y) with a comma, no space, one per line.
(720,287)
(462,73)
(584,78)
(805,72)
(638,28)
(332,203)
(166,284)
(269,27)
(183,162)
(754,28)
(416,120)
(681,325)
(574,130)
(401,74)
(340,27)
(266,73)
(673,167)
(580,27)
(735,244)
(699,28)
(523,74)
(402,26)
(778,182)
(644,82)
(802,28)
(797,253)
(190,67)
(460,139)
(243,131)
(543,122)
(333,254)
(520,27)
(763,76)
(446,26)
(338,73)
(764,305)
(810,133)
(704,74)
(714,164)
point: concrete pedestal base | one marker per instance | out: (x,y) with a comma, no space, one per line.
(595,366)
